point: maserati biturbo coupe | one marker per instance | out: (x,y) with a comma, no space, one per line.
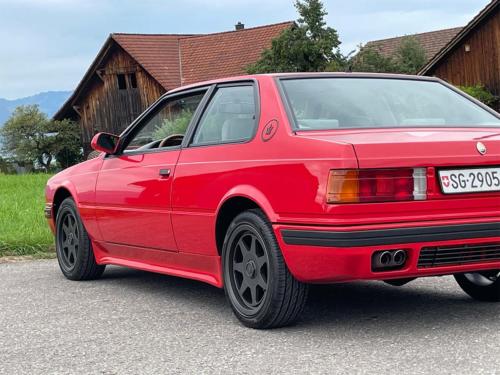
(264,184)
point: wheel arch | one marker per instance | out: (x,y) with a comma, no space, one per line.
(62,192)
(235,202)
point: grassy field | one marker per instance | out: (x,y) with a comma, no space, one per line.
(23,228)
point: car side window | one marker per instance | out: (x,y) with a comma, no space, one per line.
(229,117)
(167,126)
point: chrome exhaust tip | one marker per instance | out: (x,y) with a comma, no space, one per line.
(385,258)
(399,257)
(389,260)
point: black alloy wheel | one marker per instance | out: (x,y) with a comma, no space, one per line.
(68,240)
(249,268)
(73,246)
(259,287)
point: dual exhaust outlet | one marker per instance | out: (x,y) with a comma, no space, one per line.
(389,260)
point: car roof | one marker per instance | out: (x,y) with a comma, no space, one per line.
(254,77)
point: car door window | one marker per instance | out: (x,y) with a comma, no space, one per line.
(167,126)
(229,117)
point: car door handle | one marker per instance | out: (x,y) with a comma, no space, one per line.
(165,172)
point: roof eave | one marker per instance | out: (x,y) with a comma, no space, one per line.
(459,37)
(70,102)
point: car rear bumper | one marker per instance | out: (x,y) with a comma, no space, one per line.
(338,254)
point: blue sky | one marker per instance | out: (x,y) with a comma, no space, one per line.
(48,44)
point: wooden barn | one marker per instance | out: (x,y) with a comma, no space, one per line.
(132,70)
(473,56)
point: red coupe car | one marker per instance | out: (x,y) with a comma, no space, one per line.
(264,184)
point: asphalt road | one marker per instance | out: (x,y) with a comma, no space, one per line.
(133,322)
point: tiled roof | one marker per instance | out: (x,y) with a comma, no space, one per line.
(432,42)
(157,54)
(175,60)
(178,59)
(225,54)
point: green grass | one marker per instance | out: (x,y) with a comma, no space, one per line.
(23,227)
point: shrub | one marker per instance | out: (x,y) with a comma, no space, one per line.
(176,126)
(6,166)
(481,93)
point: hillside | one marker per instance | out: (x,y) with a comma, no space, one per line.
(49,103)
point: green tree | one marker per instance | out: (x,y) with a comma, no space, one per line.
(32,140)
(370,60)
(24,137)
(66,145)
(307,46)
(409,58)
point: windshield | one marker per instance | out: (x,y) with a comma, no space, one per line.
(345,103)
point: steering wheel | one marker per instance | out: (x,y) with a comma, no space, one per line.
(171,140)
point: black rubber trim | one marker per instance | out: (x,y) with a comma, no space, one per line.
(390,236)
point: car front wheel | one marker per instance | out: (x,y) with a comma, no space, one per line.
(482,286)
(73,246)
(260,288)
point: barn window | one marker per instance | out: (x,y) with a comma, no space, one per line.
(122,82)
(133,80)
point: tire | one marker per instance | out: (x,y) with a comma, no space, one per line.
(258,285)
(73,247)
(482,286)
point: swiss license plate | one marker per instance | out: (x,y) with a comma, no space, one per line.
(454,181)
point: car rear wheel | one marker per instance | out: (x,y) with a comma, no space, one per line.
(258,285)
(482,286)
(73,247)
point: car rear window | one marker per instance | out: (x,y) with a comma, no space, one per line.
(343,103)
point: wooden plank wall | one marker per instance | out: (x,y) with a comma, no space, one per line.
(104,107)
(479,66)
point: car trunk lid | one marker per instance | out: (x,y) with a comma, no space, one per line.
(392,148)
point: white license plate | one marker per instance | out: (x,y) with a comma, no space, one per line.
(454,181)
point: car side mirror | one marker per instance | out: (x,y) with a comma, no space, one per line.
(105,142)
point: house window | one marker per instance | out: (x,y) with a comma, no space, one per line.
(133,80)
(122,82)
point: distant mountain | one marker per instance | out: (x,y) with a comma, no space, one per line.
(49,103)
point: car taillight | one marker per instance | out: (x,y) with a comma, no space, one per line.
(376,185)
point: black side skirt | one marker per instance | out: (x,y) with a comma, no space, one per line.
(390,236)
